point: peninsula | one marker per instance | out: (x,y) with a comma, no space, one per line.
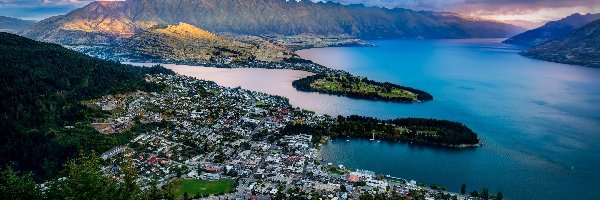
(413,130)
(187,44)
(344,84)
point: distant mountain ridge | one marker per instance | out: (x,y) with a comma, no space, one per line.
(107,21)
(580,47)
(552,30)
(185,42)
(13,25)
(98,22)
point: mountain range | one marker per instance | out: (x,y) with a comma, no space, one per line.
(13,25)
(581,47)
(109,21)
(552,30)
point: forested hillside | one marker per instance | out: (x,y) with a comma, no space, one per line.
(552,30)
(44,123)
(579,47)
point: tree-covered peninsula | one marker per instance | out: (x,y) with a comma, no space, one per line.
(414,130)
(344,84)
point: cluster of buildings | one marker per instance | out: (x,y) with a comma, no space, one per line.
(305,41)
(125,110)
(109,53)
(205,131)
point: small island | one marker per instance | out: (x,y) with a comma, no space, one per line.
(344,84)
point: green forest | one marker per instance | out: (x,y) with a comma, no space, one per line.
(43,122)
(83,180)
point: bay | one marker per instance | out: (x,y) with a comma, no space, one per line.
(539,121)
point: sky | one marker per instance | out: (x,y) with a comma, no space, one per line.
(520,12)
(38,9)
(512,11)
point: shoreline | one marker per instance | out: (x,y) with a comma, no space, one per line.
(445,126)
(387,177)
(428,145)
(293,83)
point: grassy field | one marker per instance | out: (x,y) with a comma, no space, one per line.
(336,84)
(193,186)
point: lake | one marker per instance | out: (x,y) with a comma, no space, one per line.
(539,121)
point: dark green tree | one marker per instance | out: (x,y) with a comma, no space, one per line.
(129,188)
(178,172)
(475,194)
(84,180)
(343,188)
(499,196)
(18,186)
(485,193)
(366,196)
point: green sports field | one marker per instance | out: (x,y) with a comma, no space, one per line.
(202,187)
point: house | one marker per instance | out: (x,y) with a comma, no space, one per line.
(153,160)
(382,185)
(353,178)
(211,169)
(112,152)
(212,176)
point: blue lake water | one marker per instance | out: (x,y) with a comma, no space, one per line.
(539,121)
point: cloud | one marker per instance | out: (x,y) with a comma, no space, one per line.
(29,2)
(532,10)
(33,12)
(64,2)
(535,10)
(412,4)
(39,9)
(487,5)
(43,2)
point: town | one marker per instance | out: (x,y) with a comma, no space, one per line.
(205,132)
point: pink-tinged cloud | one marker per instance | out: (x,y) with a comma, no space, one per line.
(46,2)
(505,10)
(532,10)
(39,9)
